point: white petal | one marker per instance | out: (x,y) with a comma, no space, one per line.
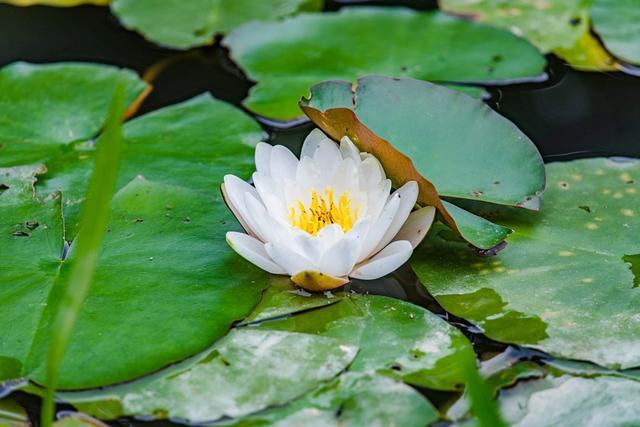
(236,212)
(291,261)
(408,196)
(283,163)
(380,227)
(329,235)
(253,251)
(340,258)
(311,143)
(371,171)
(260,221)
(349,150)
(271,195)
(327,157)
(417,226)
(386,261)
(263,158)
(234,190)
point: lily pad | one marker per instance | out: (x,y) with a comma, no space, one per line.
(617,22)
(39,119)
(191,144)
(57,3)
(351,400)
(572,401)
(194,300)
(182,25)
(249,370)
(562,285)
(558,26)
(419,137)
(395,338)
(292,55)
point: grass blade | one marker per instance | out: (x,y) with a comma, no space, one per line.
(92,226)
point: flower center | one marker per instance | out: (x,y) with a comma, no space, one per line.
(323,211)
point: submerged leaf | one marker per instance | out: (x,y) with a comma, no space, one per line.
(562,285)
(425,134)
(292,55)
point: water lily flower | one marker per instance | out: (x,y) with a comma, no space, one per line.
(326,217)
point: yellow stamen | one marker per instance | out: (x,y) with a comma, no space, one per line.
(322,211)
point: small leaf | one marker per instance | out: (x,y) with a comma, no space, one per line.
(617,22)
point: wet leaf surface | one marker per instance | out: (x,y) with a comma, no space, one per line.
(39,120)
(419,136)
(292,55)
(351,400)
(617,22)
(247,371)
(566,400)
(181,25)
(558,26)
(562,284)
(395,338)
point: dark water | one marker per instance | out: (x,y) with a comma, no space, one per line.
(571,115)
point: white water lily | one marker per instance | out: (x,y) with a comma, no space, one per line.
(326,217)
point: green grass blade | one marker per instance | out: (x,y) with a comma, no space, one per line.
(92,227)
(480,395)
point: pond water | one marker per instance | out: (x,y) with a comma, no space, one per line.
(570,115)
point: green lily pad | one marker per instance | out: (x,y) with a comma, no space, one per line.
(617,22)
(558,26)
(143,259)
(562,284)
(44,108)
(182,25)
(572,401)
(395,338)
(292,55)
(351,400)
(249,370)
(431,129)
(190,144)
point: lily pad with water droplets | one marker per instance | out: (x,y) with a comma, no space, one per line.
(292,55)
(563,284)
(184,24)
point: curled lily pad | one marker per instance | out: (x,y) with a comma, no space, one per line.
(38,118)
(351,400)
(181,25)
(617,22)
(558,26)
(292,55)
(247,371)
(424,135)
(562,285)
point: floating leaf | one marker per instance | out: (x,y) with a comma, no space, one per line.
(572,401)
(249,370)
(395,338)
(617,22)
(182,25)
(143,259)
(425,134)
(13,415)
(562,284)
(351,400)
(559,26)
(292,55)
(44,108)
(191,144)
